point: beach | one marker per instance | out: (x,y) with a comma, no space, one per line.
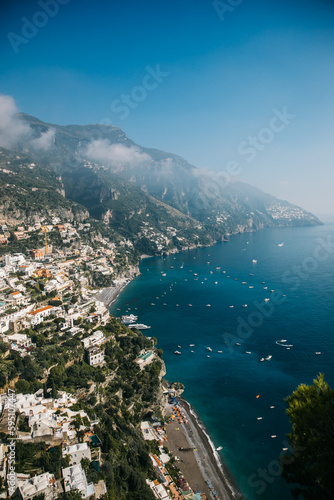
(199,462)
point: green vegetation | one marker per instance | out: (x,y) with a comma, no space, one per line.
(309,466)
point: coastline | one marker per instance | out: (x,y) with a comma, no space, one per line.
(202,464)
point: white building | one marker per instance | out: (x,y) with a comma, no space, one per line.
(94,340)
(77,452)
(19,339)
(37,316)
(14,260)
(38,485)
(95,356)
(75,479)
(45,424)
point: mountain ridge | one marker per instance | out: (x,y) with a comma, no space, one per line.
(115,180)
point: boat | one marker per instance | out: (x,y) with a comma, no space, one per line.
(208,305)
(318,353)
(248,352)
(266,300)
(190,305)
(262,359)
(265,288)
(262,282)
(272,291)
(219,352)
(152,304)
(236,279)
(179,346)
(177,305)
(254,261)
(219,448)
(217,267)
(209,349)
(251,286)
(192,351)
(139,326)
(244,283)
(131,318)
(251,274)
(273,436)
(281,244)
(177,352)
(216,282)
(244,305)
(164,274)
(191,345)
(268,358)
(259,418)
(237,343)
(231,307)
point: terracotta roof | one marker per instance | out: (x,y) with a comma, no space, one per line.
(33,313)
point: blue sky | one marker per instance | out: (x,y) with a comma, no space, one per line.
(223,77)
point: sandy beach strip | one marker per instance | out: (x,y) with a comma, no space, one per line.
(200,463)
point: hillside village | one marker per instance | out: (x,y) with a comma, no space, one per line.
(79,390)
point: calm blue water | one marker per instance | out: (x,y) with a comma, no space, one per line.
(223,387)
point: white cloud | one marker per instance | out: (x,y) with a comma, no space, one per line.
(12,128)
(45,140)
(102,150)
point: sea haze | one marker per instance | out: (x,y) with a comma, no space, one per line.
(224,387)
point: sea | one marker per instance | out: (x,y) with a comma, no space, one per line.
(186,298)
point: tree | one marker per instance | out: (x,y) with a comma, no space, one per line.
(310,463)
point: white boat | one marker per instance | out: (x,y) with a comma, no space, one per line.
(254,261)
(219,448)
(177,352)
(268,358)
(318,353)
(231,307)
(248,352)
(216,282)
(251,286)
(219,352)
(281,244)
(259,418)
(208,305)
(131,318)
(244,283)
(152,304)
(179,346)
(190,305)
(244,305)
(262,359)
(266,300)
(139,326)
(191,345)
(164,274)
(209,349)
